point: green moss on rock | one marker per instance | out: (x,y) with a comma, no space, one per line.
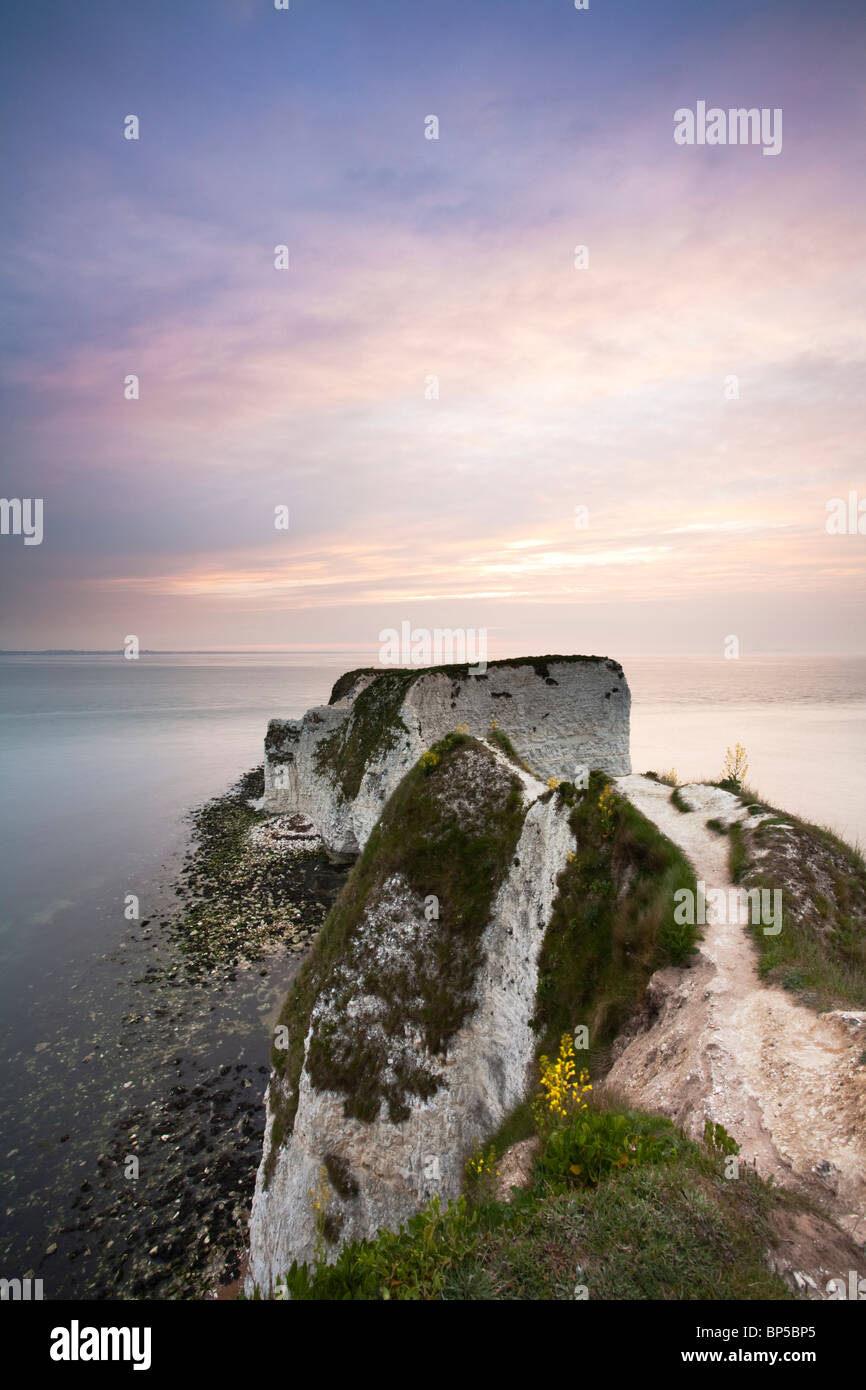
(382,977)
(373,724)
(279,739)
(370,729)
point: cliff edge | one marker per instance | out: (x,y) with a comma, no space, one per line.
(338,765)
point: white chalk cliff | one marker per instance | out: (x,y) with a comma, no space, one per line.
(339,764)
(560,715)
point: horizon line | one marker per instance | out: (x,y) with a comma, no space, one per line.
(354,651)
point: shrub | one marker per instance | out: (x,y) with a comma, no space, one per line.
(736,767)
(594,1143)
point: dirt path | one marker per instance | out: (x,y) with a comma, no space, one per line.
(783,1080)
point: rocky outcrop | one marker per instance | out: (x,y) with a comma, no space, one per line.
(339,764)
(409,1038)
(439,1091)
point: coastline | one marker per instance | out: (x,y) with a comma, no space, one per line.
(194,1041)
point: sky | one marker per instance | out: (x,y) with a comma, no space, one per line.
(433,388)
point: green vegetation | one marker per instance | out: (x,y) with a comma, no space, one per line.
(504,744)
(278,741)
(612,924)
(567,792)
(448,832)
(679,801)
(621,1202)
(370,729)
(717,1137)
(737,862)
(672,1231)
(820,953)
(718,827)
(596,1142)
(664,1225)
(373,723)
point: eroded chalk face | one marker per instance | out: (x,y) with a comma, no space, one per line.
(560,717)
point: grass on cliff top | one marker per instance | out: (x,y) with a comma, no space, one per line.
(677,1230)
(612,924)
(820,953)
(423,836)
(460,670)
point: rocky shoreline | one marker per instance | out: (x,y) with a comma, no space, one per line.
(206,974)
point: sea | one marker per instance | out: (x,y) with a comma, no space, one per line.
(101,761)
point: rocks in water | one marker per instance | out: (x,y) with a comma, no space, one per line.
(251,882)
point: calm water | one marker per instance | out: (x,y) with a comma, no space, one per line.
(101,759)
(801,720)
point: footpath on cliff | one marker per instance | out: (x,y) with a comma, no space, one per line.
(716,1043)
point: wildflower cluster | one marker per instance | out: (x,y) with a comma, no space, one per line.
(482,1172)
(428,760)
(552,783)
(563,1091)
(606,806)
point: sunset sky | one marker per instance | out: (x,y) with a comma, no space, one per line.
(559,387)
